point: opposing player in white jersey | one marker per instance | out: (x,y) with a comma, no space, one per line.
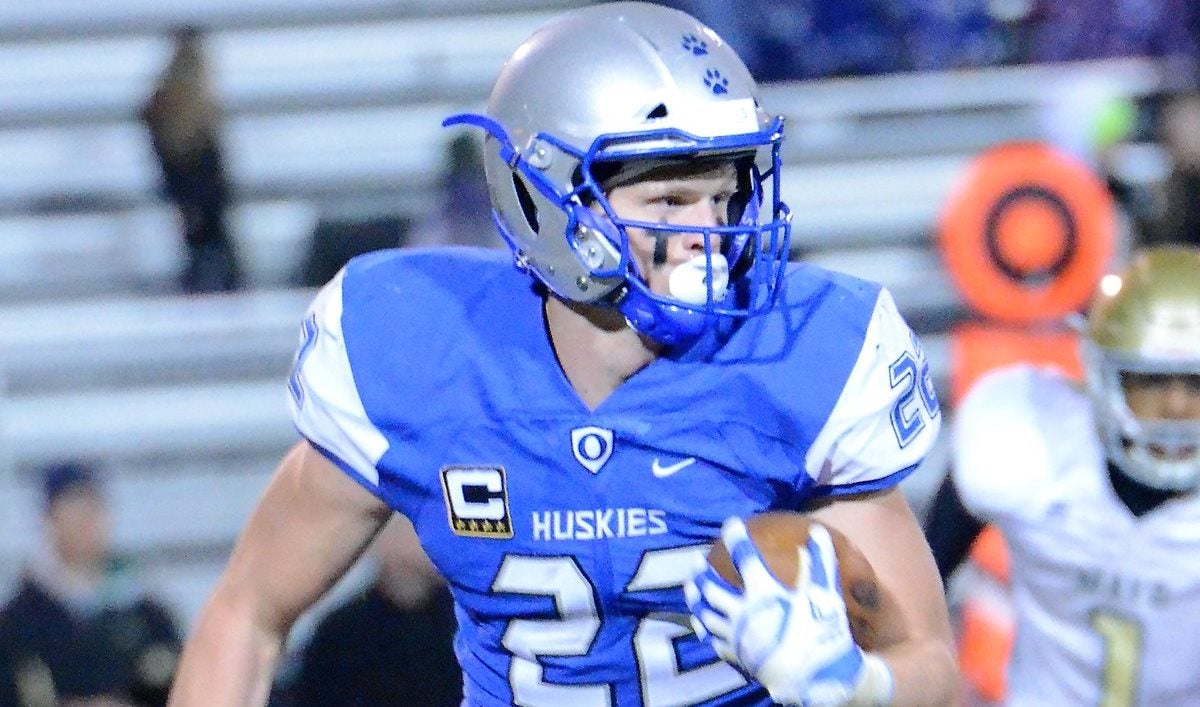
(568,436)
(1095,494)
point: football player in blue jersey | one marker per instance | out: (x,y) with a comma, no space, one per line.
(569,436)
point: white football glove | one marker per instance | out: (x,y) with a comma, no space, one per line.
(794,640)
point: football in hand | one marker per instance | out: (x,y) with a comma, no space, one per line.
(780,536)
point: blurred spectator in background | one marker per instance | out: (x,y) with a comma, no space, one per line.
(80,630)
(184,119)
(334,241)
(812,39)
(465,213)
(1075,30)
(391,644)
(802,39)
(1180,193)
(955,34)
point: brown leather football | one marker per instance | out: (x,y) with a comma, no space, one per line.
(779,534)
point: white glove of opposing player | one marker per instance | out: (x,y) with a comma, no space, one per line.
(794,640)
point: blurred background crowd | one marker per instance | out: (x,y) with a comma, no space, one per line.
(176,177)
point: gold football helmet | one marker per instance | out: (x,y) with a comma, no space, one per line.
(1145,322)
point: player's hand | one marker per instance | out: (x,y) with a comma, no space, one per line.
(794,640)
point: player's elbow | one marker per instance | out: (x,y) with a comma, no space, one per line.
(239,620)
(944,681)
(243,606)
(925,671)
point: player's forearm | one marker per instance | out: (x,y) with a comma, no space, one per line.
(924,673)
(229,660)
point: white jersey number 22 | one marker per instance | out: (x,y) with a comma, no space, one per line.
(572,633)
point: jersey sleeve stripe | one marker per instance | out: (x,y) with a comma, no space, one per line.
(885,482)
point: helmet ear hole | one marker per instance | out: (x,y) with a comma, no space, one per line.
(528,208)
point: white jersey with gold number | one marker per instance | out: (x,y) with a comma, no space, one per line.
(1107,604)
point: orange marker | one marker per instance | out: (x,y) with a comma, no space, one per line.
(1027,233)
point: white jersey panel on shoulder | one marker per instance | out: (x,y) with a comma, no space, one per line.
(1018,429)
(325,402)
(887,417)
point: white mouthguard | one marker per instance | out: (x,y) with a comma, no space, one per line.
(689,281)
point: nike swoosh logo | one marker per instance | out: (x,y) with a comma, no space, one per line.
(663,472)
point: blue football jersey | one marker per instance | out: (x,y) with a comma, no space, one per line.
(566,533)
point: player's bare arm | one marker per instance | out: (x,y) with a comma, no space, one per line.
(883,527)
(312,522)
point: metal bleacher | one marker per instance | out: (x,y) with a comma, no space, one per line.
(331,108)
(335,106)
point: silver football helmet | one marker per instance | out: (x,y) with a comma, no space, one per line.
(1146,320)
(621,87)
